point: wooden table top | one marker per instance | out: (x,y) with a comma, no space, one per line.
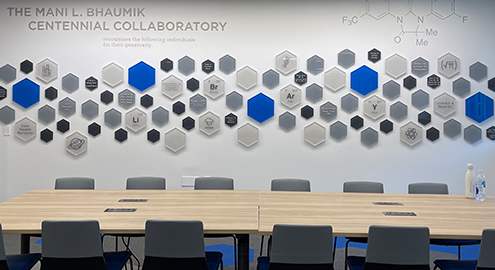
(221,211)
(351,214)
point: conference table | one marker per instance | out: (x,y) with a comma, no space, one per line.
(243,212)
(222,212)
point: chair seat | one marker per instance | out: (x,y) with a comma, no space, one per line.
(23,261)
(263,263)
(363,240)
(454,242)
(213,259)
(356,263)
(456,264)
(116,260)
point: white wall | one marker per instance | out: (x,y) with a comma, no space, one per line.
(256,32)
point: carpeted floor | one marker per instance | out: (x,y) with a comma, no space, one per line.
(12,246)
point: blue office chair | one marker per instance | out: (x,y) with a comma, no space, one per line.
(178,245)
(485,261)
(16,262)
(440,188)
(394,247)
(77,245)
(299,247)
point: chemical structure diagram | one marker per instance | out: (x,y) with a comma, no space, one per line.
(379,10)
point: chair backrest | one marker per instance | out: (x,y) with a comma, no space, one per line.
(146,182)
(486,259)
(291,185)
(174,244)
(214,183)
(71,245)
(398,246)
(363,187)
(309,246)
(74,183)
(3,258)
(428,188)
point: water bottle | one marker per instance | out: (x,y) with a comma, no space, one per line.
(469,188)
(480,186)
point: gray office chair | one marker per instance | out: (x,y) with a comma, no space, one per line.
(440,188)
(217,183)
(178,245)
(359,187)
(307,247)
(74,183)
(286,184)
(16,262)
(395,247)
(486,260)
(146,183)
(77,245)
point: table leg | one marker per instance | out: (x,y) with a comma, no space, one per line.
(243,251)
(25,243)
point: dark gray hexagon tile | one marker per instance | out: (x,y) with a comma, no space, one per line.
(26,66)
(153,135)
(357,122)
(46,135)
(91,83)
(106,97)
(432,134)
(386,126)
(374,55)
(121,135)
(166,65)
(94,129)
(3,93)
(146,101)
(433,81)
(51,93)
(63,126)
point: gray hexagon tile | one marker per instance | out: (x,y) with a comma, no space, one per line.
(8,74)
(314,134)
(396,66)
(315,64)
(328,111)
(444,105)
(449,65)
(338,131)
(175,140)
(76,144)
(46,114)
(160,116)
(25,129)
(420,67)
(197,103)
(286,62)
(271,79)
(136,120)
(214,87)
(70,83)
(411,134)
(478,71)
(391,90)
(248,135)
(287,121)
(127,99)
(67,107)
(89,109)
(346,58)
(209,123)
(113,118)
(227,64)
(46,70)
(420,99)
(7,115)
(290,96)
(374,107)
(349,103)
(398,111)
(472,134)
(247,78)
(234,100)
(452,128)
(461,87)
(369,137)
(314,93)
(172,87)
(186,65)
(335,79)
(112,74)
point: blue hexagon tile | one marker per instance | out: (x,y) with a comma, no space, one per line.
(261,108)
(479,107)
(364,80)
(142,76)
(26,93)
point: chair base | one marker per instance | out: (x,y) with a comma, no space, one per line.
(456,264)
(22,261)
(358,263)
